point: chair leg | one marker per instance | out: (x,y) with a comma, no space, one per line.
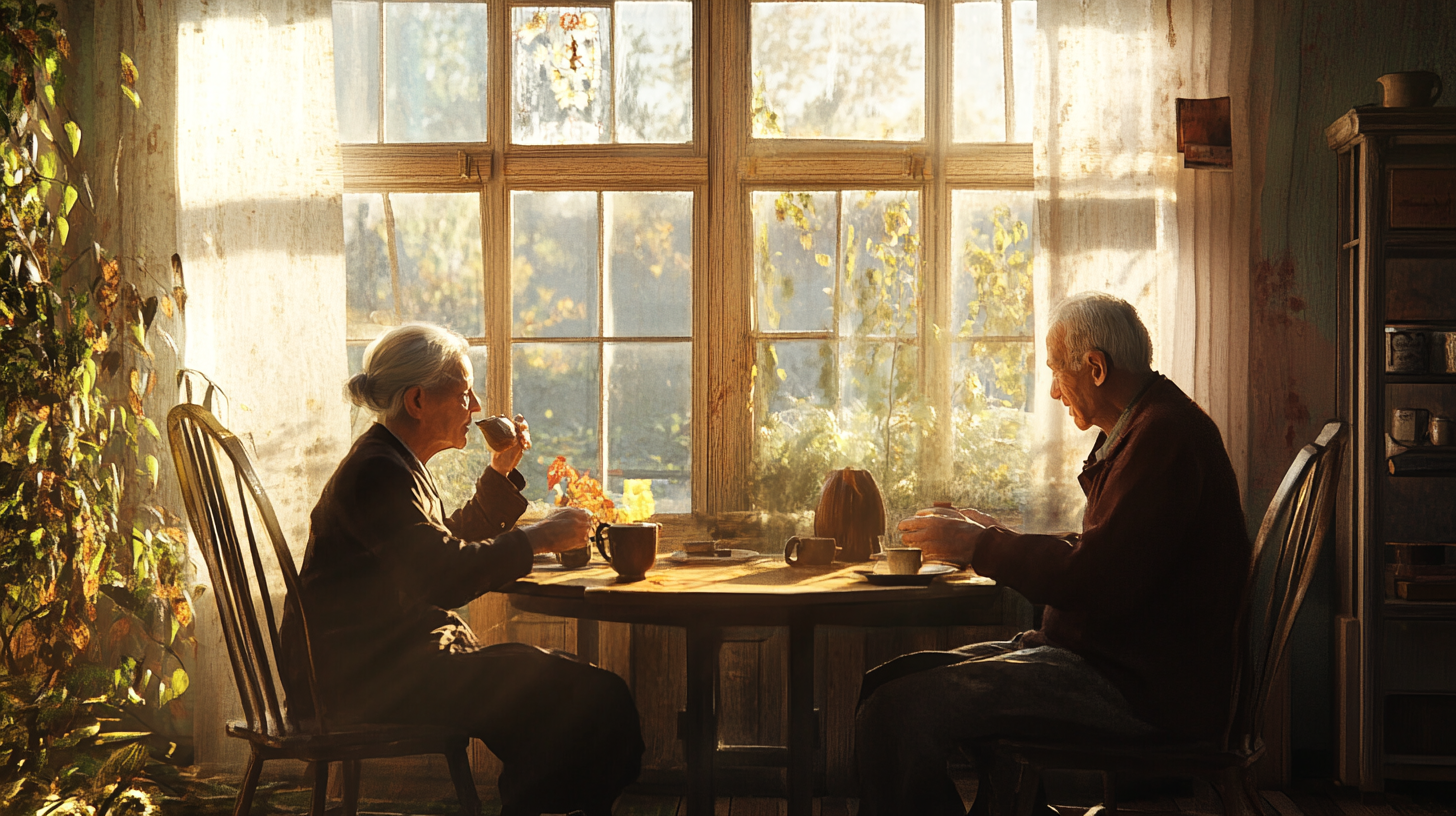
(1109,793)
(1028,781)
(320,772)
(1235,787)
(249,784)
(459,762)
(351,786)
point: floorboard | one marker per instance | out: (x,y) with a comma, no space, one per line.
(291,799)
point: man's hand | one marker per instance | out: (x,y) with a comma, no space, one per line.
(564,528)
(943,534)
(505,460)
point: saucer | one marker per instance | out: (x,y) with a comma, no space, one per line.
(696,559)
(928,573)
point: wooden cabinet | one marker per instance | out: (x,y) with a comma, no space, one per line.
(1396,657)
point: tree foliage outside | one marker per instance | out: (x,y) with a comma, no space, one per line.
(94,606)
(856,398)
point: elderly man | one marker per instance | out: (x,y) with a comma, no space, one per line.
(1138,633)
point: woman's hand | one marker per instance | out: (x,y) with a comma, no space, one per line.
(942,534)
(564,528)
(505,460)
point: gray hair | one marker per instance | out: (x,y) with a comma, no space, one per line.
(1097,320)
(400,359)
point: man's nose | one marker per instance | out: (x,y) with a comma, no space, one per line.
(474,403)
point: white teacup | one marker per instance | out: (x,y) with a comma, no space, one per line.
(902,560)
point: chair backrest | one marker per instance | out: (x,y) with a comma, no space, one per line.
(223,494)
(1283,563)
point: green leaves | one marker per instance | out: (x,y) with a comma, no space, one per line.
(152,467)
(73,137)
(32,448)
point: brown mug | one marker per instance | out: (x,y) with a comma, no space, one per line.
(499,432)
(1410,89)
(631,549)
(807,551)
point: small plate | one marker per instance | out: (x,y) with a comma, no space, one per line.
(928,573)
(694,559)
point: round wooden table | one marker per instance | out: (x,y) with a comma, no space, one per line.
(707,598)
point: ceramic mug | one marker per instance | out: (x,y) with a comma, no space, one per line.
(806,551)
(1410,89)
(903,560)
(1408,425)
(631,549)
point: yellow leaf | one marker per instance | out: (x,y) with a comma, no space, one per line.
(822,259)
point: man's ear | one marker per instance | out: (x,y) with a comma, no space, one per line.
(414,401)
(1098,362)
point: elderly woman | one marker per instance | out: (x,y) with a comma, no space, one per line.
(385,563)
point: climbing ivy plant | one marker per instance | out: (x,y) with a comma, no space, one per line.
(94,606)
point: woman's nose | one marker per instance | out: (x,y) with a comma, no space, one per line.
(474,403)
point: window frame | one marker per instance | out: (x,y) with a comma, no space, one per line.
(722,165)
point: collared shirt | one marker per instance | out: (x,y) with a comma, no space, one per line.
(1122,420)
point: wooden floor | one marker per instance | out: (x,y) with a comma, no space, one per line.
(216,799)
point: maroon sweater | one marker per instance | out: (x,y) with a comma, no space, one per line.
(1149,593)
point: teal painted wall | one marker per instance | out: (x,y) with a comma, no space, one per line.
(1312,60)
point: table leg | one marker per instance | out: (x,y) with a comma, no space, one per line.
(803,723)
(700,743)
(588,640)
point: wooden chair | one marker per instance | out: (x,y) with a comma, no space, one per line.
(1296,523)
(223,494)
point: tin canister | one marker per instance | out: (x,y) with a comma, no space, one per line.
(1406,351)
(1443,352)
(1440,430)
(1408,426)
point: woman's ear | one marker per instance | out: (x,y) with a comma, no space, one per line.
(414,401)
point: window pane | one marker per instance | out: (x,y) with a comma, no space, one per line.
(554,264)
(798,437)
(818,408)
(435,87)
(562,75)
(881,263)
(991,249)
(980,73)
(655,72)
(649,405)
(1023,66)
(990,399)
(437,240)
(556,386)
(839,70)
(369,293)
(794,260)
(356,70)
(650,264)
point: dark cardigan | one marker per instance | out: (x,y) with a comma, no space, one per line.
(384,565)
(1149,592)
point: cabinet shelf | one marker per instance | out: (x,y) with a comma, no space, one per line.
(1396,609)
(1420,379)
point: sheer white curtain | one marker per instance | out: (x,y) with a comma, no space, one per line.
(1114,210)
(260,232)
